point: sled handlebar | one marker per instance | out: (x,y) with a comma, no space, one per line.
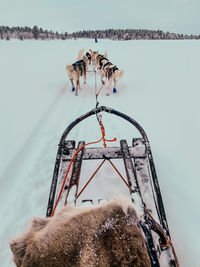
(108,110)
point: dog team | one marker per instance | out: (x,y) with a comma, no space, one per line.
(106,69)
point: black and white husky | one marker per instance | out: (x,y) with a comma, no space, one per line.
(107,70)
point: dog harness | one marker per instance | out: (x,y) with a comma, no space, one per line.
(110,71)
(80,66)
(100,61)
(108,67)
(100,58)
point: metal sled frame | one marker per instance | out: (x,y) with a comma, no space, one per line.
(135,163)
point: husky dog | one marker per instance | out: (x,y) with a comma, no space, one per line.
(107,70)
(78,69)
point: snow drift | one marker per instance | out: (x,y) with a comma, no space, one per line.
(105,235)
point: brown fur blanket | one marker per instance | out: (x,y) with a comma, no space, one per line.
(104,236)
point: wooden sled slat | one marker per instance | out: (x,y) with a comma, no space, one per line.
(109,152)
(76,170)
(128,164)
(77,165)
(69,145)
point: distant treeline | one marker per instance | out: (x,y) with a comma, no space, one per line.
(25,33)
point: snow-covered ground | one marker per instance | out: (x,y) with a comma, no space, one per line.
(160,89)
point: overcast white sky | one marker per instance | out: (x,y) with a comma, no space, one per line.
(180,16)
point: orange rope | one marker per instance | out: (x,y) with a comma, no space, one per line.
(121,176)
(90,179)
(100,90)
(67,172)
(103,135)
(97,171)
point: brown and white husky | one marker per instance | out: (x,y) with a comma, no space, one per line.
(107,70)
(78,69)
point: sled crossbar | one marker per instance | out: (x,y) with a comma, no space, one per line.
(101,152)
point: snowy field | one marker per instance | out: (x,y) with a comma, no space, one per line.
(159,89)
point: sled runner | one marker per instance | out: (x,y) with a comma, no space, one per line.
(141,181)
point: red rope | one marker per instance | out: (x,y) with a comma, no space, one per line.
(97,171)
(100,90)
(90,179)
(120,175)
(63,184)
(67,172)
(103,135)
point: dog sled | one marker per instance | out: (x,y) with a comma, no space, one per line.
(141,181)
